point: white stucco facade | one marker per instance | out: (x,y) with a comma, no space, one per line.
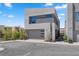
(45,26)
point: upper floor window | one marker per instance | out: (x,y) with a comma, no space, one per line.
(32,19)
(76,16)
(40,18)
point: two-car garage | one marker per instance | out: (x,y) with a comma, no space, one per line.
(35,34)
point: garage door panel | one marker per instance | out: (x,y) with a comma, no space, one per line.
(36,34)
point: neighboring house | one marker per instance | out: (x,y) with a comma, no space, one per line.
(72,21)
(42,23)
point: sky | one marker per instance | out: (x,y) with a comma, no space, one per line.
(12,14)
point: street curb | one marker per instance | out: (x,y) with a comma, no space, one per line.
(32,41)
(57,43)
(7,41)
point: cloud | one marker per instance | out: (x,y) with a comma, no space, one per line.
(8,15)
(61,14)
(11,16)
(48,4)
(59,17)
(8,5)
(60,7)
(22,26)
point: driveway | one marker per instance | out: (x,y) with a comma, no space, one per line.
(24,48)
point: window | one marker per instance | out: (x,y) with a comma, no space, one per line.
(40,18)
(32,19)
(76,16)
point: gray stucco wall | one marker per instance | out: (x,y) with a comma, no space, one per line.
(72,26)
(70,21)
(76,22)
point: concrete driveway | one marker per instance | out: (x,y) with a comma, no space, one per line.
(25,48)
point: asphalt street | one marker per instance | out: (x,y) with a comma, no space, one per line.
(22,48)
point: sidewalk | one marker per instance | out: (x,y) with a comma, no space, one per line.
(40,41)
(59,42)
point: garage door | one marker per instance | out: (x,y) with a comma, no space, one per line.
(35,34)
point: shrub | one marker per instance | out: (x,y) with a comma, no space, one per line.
(1,34)
(7,34)
(70,41)
(65,38)
(5,37)
(23,34)
(15,35)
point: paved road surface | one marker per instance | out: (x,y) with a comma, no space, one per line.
(21,48)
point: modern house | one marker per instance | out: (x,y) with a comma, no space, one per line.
(42,23)
(72,21)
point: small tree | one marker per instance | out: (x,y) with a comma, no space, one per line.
(5,37)
(65,38)
(21,34)
(25,35)
(18,35)
(1,33)
(7,34)
(15,35)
